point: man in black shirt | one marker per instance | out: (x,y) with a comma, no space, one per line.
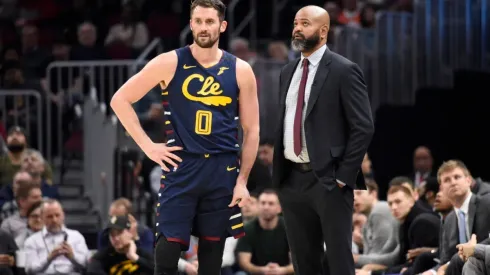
(122,256)
(264,249)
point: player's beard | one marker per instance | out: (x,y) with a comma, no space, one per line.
(205,42)
(303,43)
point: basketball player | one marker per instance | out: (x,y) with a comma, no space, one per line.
(205,91)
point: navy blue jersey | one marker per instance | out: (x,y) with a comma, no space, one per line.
(201,105)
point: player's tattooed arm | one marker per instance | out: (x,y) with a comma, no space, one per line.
(249,117)
(160,68)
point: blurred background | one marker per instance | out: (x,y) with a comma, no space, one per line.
(426,63)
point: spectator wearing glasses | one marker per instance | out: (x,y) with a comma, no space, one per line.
(34,224)
(55,249)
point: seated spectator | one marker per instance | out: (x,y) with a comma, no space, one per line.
(55,249)
(380,230)
(11,163)
(122,254)
(7,254)
(255,255)
(250,210)
(130,31)
(143,236)
(358,222)
(34,224)
(9,193)
(476,256)
(471,215)
(27,196)
(87,48)
(418,228)
(423,257)
(34,163)
(428,191)
(34,58)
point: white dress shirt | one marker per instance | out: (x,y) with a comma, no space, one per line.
(291,100)
(40,244)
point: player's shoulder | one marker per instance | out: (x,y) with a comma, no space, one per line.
(166,58)
(243,68)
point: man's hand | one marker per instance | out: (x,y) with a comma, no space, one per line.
(442,270)
(159,152)
(67,250)
(6,260)
(468,249)
(190,269)
(413,253)
(362,272)
(374,267)
(240,193)
(55,253)
(131,253)
(275,269)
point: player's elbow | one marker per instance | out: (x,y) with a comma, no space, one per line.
(251,130)
(117,100)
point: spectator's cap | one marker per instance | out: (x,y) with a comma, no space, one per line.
(119,223)
(16,129)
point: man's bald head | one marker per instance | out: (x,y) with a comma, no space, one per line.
(311,26)
(314,13)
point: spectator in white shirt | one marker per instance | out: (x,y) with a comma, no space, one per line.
(55,249)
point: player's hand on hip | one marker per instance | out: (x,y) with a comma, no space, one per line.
(161,154)
(240,194)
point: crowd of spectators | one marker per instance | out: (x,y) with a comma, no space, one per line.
(433,221)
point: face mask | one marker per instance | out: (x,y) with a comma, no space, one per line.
(15,148)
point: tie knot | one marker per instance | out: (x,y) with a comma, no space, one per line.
(305,62)
(461,213)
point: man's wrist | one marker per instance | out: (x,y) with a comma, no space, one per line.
(134,257)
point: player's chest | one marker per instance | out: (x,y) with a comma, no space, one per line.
(213,87)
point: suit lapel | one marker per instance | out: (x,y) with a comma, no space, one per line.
(320,77)
(471,213)
(454,235)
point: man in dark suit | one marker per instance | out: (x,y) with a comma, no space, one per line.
(471,215)
(319,147)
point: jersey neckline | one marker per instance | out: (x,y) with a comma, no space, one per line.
(200,65)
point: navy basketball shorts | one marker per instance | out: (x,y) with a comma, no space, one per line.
(193,199)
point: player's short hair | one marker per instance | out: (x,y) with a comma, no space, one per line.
(215,4)
(449,166)
(371,185)
(405,189)
(400,180)
(268,191)
(124,202)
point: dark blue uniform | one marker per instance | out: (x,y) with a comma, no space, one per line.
(201,110)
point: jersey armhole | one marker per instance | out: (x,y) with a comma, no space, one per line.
(163,84)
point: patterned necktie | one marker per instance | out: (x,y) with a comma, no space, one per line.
(298,117)
(462,227)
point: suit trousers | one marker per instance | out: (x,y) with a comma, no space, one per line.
(474,266)
(455,266)
(318,212)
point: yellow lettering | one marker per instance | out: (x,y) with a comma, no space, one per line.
(204,121)
(210,91)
